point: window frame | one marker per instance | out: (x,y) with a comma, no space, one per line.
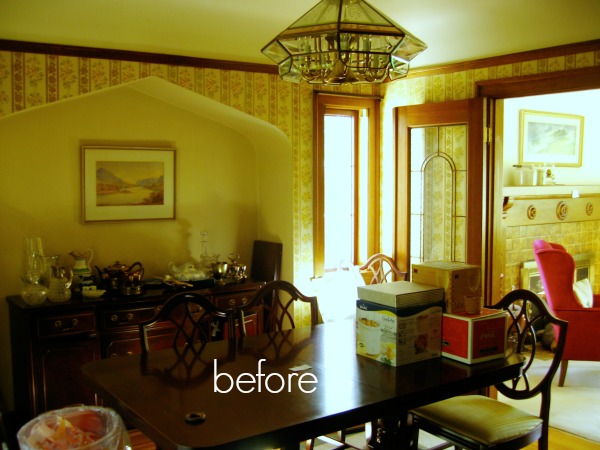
(324,103)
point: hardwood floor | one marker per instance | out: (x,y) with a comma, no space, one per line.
(559,440)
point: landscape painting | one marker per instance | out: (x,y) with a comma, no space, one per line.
(127,183)
(550,139)
(123,183)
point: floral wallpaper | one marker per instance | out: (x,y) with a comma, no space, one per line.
(29,80)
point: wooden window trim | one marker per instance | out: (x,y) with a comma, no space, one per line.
(322,103)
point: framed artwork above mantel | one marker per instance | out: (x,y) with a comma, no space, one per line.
(127,183)
(550,139)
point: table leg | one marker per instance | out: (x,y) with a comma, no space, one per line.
(393,432)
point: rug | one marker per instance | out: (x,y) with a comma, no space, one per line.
(575,407)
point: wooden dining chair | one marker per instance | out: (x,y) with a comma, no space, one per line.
(276,299)
(380,268)
(479,422)
(185,319)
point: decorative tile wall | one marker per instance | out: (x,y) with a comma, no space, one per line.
(578,238)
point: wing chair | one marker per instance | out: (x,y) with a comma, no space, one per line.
(557,272)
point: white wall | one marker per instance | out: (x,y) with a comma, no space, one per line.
(233,180)
(583,103)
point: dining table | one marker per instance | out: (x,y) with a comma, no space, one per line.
(275,390)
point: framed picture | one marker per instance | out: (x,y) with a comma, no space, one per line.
(127,183)
(550,138)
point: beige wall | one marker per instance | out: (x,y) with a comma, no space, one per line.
(31,80)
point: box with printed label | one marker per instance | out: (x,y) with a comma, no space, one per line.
(401,294)
(473,338)
(456,278)
(398,336)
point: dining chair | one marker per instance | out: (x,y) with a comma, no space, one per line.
(557,272)
(480,422)
(190,317)
(184,323)
(276,299)
(380,268)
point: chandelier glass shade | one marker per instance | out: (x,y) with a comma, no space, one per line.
(343,41)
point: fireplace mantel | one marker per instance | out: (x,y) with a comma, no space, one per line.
(534,205)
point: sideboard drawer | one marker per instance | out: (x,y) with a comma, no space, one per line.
(122,318)
(224,302)
(66,324)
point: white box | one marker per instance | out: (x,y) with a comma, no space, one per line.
(401,294)
(398,336)
(473,338)
(456,278)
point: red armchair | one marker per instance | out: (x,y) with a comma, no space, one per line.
(557,272)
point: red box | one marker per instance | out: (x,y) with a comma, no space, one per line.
(473,338)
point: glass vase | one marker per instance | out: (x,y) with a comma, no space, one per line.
(33,269)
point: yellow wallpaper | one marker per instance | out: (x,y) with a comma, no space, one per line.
(28,80)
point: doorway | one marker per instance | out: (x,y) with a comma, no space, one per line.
(440,158)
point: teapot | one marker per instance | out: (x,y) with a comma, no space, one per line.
(119,276)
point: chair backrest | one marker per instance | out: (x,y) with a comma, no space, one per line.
(527,314)
(383,269)
(275,299)
(190,315)
(557,272)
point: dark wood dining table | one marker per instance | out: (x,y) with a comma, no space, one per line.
(280,408)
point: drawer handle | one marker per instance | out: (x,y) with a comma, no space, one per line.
(243,301)
(116,355)
(115,318)
(58,324)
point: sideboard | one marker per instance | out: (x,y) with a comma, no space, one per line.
(50,342)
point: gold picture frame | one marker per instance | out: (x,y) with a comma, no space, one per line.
(550,139)
(127,183)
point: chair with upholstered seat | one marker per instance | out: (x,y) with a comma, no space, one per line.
(479,422)
(380,268)
(557,272)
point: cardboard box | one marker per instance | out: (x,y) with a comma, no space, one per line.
(401,294)
(398,336)
(458,280)
(474,338)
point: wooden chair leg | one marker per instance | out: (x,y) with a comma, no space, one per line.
(563,372)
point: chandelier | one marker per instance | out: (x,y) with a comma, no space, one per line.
(343,41)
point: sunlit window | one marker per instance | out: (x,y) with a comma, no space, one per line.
(346,194)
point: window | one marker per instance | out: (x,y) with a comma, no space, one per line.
(346,188)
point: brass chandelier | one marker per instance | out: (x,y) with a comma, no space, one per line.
(343,41)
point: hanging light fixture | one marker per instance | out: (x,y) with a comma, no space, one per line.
(343,41)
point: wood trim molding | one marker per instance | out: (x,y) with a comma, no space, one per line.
(537,211)
(126,55)
(544,83)
(158,58)
(512,58)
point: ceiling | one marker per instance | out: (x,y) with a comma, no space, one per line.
(236,30)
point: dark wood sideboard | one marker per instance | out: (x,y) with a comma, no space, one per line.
(51,342)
